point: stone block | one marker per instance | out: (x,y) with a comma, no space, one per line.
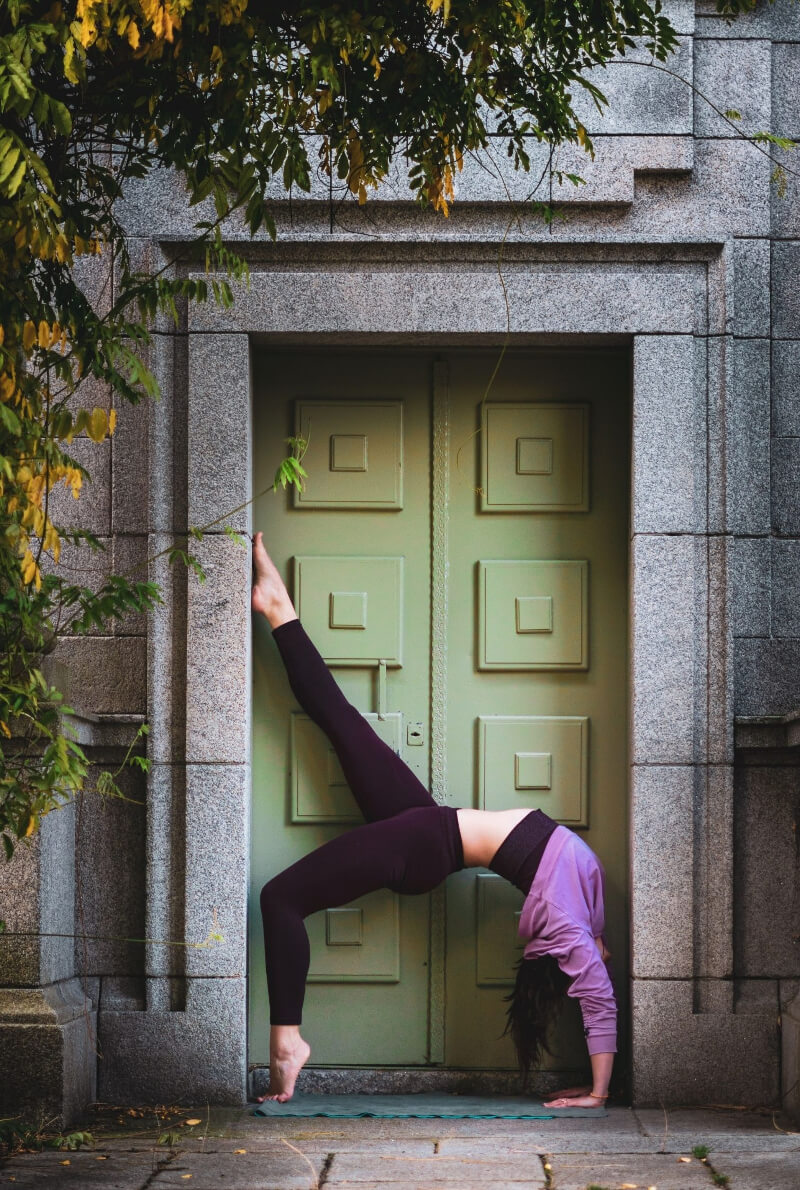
(92,509)
(165,878)
(728,188)
(168,438)
(755,1171)
(767,677)
(129,467)
(37,905)
(218,662)
(786,89)
(106,674)
(166,661)
(786,388)
(785,289)
(758,997)
(543,298)
(750,586)
(767,915)
(751,297)
(217,804)
(739,1052)
(748,438)
(785,196)
(47,1053)
(193,1056)
(668,451)
(110,853)
(661,882)
(579,1171)
(663,649)
(641,100)
(712,884)
(731,75)
(220,479)
(130,559)
(786,589)
(779,21)
(785,488)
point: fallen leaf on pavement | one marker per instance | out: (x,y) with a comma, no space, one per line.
(240,1150)
(192,1123)
(685,1160)
(67,1162)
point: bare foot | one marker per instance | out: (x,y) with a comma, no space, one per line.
(270,597)
(284,1067)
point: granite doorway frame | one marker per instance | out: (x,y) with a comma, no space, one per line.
(672,304)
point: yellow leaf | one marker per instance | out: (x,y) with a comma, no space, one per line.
(186,1176)
(28,335)
(67,1162)
(235,1150)
(44,334)
(133,35)
(685,1160)
(5,730)
(98,424)
(191,1123)
(112,421)
(2,335)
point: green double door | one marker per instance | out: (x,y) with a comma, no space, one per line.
(461,565)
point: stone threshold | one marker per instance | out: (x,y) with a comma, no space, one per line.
(361,1080)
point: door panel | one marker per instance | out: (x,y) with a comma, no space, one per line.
(536,651)
(535,709)
(354,547)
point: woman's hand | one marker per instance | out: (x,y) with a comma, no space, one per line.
(575,1101)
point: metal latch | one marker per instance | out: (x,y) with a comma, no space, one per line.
(415,735)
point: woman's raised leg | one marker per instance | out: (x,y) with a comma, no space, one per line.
(382,784)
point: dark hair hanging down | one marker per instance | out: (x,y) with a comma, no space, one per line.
(533,1007)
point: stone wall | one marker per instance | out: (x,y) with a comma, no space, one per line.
(679,245)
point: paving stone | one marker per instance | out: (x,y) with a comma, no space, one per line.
(761,1171)
(490,1170)
(84,1171)
(679,1129)
(280,1169)
(662,1170)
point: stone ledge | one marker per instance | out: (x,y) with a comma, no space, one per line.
(767,732)
(105,731)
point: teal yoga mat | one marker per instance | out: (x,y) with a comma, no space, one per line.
(447,1107)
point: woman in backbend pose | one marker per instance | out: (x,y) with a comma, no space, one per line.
(410,844)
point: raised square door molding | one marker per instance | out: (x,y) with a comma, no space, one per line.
(355,454)
(356,944)
(535,457)
(352,607)
(319,791)
(533,615)
(540,761)
(498,905)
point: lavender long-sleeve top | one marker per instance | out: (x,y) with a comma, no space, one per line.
(562,915)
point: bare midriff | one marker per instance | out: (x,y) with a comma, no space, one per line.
(482,832)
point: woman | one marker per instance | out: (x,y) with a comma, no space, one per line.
(410,844)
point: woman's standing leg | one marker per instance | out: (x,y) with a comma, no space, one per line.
(382,784)
(410,853)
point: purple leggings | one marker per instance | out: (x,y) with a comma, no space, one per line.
(409,844)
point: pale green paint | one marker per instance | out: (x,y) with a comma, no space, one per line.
(382,1017)
(531,714)
(576,716)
